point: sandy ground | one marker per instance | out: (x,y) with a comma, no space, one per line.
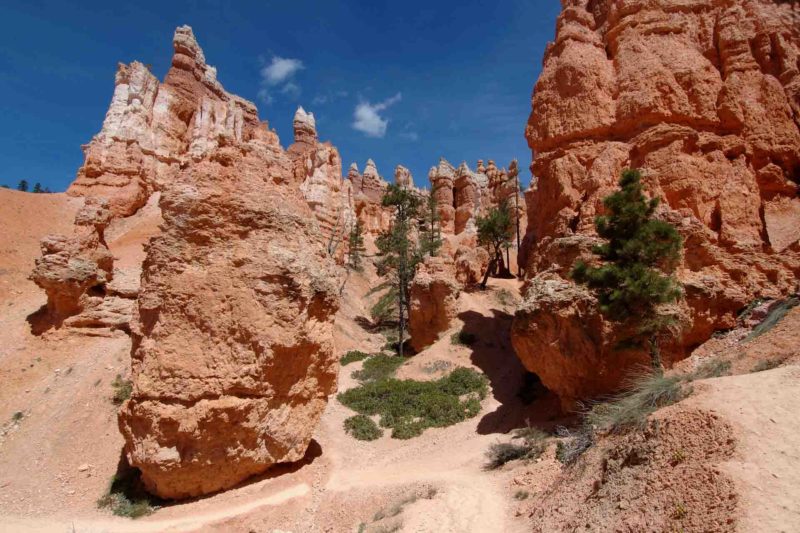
(57,460)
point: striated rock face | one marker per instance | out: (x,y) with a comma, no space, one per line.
(703,96)
(434,301)
(232,356)
(76,272)
(152,129)
(318,170)
(442,178)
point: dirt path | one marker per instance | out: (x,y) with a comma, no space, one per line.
(762,407)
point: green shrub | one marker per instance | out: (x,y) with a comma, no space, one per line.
(648,392)
(126,495)
(122,390)
(521,495)
(362,427)
(462,338)
(16,417)
(353,356)
(409,407)
(378,367)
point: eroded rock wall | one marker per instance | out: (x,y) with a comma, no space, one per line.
(703,97)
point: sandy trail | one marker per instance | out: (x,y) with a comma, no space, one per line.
(762,407)
(188,523)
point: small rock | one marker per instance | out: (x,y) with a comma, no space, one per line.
(83,468)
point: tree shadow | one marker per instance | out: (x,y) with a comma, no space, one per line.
(522,397)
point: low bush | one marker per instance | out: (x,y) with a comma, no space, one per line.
(126,495)
(774,316)
(521,495)
(362,427)
(378,367)
(574,442)
(122,390)
(353,356)
(16,417)
(768,364)
(713,368)
(531,444)
(409,407)
(462,338)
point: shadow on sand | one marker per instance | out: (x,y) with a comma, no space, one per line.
(523,399)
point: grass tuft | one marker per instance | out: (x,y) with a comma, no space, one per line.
(647,393)
(353,356)
(122,390)
(362,427)
(409,407)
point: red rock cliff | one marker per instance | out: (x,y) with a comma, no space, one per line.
(704,96)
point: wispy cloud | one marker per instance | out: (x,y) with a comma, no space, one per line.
(368,120)
(412,136)
(279,74)
(322,99)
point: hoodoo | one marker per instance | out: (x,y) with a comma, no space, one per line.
(232,356)
(704,97)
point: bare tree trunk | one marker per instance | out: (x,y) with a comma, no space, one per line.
(655,356)
(489,269)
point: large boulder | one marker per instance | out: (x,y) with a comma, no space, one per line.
(704,97)
(232,355)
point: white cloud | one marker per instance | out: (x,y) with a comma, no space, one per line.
(368,120)
(410,136)
(279,72)
(280,69)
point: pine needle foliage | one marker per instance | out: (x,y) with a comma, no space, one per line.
(356,246)
(495,231)
(637,262)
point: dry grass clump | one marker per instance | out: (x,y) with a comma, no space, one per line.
(531,444)
(122,390)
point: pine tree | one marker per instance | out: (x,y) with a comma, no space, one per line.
(23,186)
(37,188)
(398,256)
(356,245)
(638,261)
(495,231)
(430,240)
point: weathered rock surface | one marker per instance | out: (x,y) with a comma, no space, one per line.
(318,170)
(74,270)
(703,96)
(152,129)
(232,356)
(434,301)
(368,189)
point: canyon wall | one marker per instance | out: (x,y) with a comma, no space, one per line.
(704,97)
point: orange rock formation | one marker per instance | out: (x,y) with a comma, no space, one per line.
(705,98)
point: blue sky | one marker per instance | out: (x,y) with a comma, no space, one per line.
(400,82)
